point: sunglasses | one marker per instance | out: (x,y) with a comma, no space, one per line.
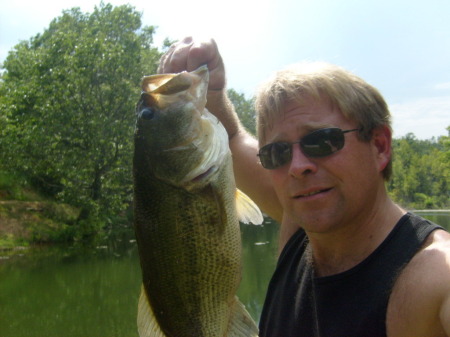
(319,143)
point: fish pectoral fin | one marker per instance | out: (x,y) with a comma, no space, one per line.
(146,321)
(241,323)
(247,210)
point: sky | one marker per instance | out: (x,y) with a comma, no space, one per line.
(402,47)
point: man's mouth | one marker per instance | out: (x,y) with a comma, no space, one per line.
(309,194)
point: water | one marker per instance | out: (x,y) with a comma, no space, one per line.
(61,291)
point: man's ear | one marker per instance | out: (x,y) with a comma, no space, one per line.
(382,141)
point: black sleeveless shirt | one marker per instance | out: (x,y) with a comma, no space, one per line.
(349,304)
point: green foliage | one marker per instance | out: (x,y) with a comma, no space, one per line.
(244,109)
(14,186)
(421,177)
(67,101)
(37,221)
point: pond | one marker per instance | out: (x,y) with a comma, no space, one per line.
(75,292)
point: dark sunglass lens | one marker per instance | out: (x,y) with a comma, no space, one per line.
(275,155)
(264,156)
(322,142)
(281,153)
(319,143)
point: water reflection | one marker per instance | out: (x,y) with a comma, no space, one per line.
(69,293)
(61,291)
(260,248)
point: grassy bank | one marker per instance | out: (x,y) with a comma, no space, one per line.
(27,217)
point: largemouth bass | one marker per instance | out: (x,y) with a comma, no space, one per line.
(187,211)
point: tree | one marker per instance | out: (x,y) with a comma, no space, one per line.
(244,109)
(67,106)
(420,172)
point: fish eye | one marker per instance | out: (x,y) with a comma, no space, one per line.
(147,113)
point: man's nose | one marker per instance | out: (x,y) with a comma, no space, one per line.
(300,164)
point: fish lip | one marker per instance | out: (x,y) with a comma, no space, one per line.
(311,192)
(205,175)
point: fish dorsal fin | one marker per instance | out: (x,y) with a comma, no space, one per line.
(146,321)
(247,210)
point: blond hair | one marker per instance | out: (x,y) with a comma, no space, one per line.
(355,98)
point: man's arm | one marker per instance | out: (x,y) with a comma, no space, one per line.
(420,300)
(445,315)
(250,176)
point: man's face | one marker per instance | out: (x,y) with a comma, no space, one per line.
(329,193)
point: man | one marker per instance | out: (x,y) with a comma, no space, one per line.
(353,262)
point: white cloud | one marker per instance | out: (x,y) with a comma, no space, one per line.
(425,117)
(442,86)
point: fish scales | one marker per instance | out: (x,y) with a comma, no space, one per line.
(183,274)
(186,222)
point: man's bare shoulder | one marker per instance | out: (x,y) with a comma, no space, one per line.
(420,301)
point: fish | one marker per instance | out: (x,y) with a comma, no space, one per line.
(186,214)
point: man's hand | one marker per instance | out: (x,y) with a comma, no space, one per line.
(188,55)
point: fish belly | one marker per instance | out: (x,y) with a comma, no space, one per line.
(190,250)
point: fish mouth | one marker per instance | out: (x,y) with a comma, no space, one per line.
(312,193)
(205,174)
